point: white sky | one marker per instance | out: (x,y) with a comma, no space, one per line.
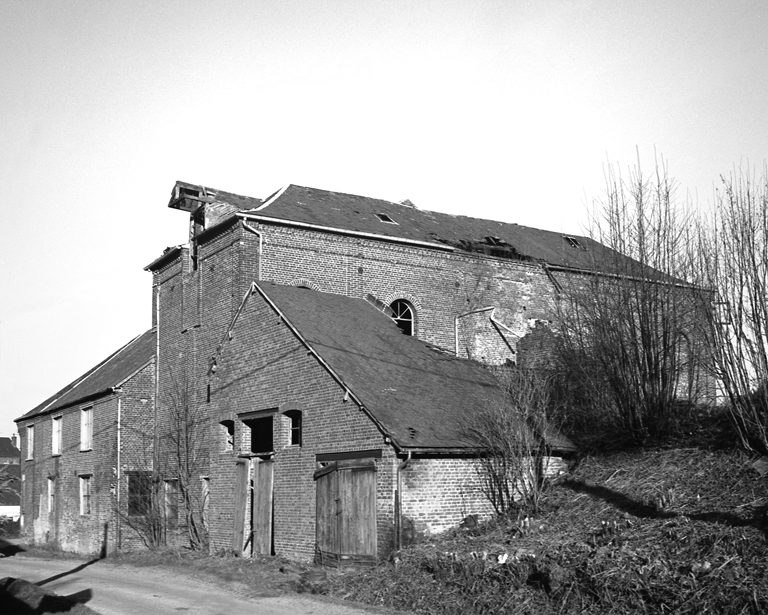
(499,109)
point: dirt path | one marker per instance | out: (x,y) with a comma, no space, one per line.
(124,590)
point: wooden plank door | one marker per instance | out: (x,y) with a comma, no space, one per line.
(357,521)
(327,511)
(242,471)
(261,511)
(346,514)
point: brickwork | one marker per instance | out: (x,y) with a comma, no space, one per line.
(57,518)
(197,299)
(266,368)
(439,493)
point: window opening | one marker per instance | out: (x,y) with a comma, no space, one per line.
(30,441)
(261,434)
(85,495)
(171,488)
(86,428)
(139,493)
(208,394)
(403,315)
(56,436)
(228,435)
(385,218)
(295,417)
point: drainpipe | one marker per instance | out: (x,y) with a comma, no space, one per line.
(399,504)
(261,243)
(118,532)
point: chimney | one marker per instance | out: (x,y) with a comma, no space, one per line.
(13,441)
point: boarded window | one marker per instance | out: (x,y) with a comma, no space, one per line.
(86,428)
(30,441)
(171,488)
(85,495)
(56,436)
(139,493)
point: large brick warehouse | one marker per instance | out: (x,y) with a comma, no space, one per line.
(275,405)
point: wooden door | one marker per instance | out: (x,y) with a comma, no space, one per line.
(262,506)
(346,513)
(242,471)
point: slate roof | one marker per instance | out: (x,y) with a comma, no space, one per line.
(111,372)
(358,213)
(421,396)
(7,449)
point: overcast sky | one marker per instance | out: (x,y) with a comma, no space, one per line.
(500,109)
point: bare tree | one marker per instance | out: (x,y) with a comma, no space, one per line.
(733,253)
(628,330)
(514,438)
(183,462)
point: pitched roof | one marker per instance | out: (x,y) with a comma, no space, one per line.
(420,395)
(111,372)
(7,449)
(354,213)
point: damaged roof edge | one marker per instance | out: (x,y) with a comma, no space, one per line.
(341,231)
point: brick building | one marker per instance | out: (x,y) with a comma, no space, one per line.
(83,450)
(271,329)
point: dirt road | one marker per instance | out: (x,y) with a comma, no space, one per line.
(125,590)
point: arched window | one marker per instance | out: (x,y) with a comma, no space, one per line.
(295,416)
(403,315)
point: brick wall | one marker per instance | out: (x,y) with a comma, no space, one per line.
(58,520)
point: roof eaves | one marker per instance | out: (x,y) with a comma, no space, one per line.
(165,258)
(52,408)
(341,231)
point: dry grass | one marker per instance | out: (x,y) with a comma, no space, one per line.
(675,531)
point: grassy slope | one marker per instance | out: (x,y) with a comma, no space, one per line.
(675,531)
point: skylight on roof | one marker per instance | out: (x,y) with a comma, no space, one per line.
(385,218)
(573,242)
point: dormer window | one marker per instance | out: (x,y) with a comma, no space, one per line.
(385,218)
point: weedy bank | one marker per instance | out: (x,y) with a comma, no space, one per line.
(669,531)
